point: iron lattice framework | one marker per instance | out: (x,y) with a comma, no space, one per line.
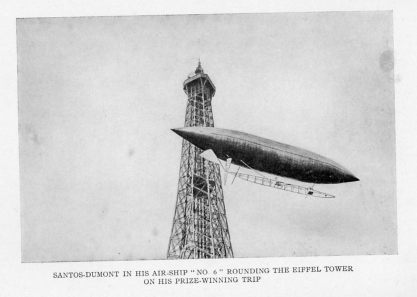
(199,228)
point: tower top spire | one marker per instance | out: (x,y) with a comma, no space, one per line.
(199,77)
(199,69)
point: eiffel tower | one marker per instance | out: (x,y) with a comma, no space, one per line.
(199,228)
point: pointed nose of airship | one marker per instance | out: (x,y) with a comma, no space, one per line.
(194,135)
(186,134)
(350,178)
(180,131)
(177,131)
(354,178)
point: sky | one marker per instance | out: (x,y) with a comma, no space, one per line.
(99,163)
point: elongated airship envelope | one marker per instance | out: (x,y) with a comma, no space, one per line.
(267,155)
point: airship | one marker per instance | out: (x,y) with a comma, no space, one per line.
(263,155)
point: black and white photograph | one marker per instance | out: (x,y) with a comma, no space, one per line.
(208,148)
(206,136)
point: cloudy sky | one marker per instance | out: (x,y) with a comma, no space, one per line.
(99,163)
